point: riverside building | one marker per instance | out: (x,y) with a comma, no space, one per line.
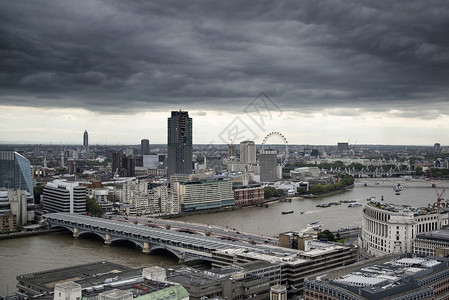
(63,196)
(391,229)
(205,194)
(294,266)
(16,209)
(432,243)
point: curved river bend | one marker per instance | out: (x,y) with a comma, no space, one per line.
(38,253)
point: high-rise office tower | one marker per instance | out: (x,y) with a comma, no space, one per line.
(15,172)
(231,150)
(268,166)
(86,140)
(63,196)
(144,147)
(116,162)
(122,165)
(179,143)
(248,152)
(128,166)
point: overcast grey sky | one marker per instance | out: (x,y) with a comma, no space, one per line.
(359,71)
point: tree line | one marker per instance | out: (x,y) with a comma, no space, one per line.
(344,182)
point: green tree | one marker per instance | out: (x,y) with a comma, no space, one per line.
(269,192)
(279,193)
(419,171)
(93,207)
(326,234)
(302,190)
(38,191)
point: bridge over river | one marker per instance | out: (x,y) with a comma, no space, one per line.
(185,246)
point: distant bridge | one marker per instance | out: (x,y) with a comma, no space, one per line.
(185,246)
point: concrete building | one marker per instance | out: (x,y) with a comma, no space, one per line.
(205,194)
(268,166)
(243,281)
(390,277)
(248,152)
(434,243)
(278,292)
(180,148)
(63,196)
(297,240)
(232,152)
(101,197)
(86,140)
(122,165)
(139,197)
(16,209)
(305,174)
(241,178)
(129,151)
(294,267)
(134,197)
(391,229)
(15,172)
(144,147)
(116,162)
(343,146)
(100,281)
(129,166)
(8,221)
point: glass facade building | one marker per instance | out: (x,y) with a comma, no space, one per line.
(15,172)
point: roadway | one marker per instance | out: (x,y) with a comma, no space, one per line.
(193,246)
(225,233)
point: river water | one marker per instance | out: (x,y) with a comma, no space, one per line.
(38,253)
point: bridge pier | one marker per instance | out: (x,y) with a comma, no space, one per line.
(107,239)
(182,258)
(146,247)
(75,233)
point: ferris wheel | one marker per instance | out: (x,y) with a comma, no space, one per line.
(282,154)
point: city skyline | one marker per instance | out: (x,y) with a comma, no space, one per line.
(362,72)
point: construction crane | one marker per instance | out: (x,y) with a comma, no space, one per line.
(439,195)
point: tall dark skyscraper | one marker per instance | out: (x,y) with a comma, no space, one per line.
(145,147)
(122,165)
(116,162)
(179,143)
(86,140)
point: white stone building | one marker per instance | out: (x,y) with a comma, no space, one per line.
(391,229)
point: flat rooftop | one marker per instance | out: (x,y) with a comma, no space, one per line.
(441,235)
(402,208)
(85,275)
(383,277)
(190,276)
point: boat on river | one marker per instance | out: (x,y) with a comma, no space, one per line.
(315,225)
(398,189)
(287,212)
(347,201)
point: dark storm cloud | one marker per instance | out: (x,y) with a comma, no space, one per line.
(128,56)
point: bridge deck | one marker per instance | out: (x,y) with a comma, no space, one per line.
(157,235)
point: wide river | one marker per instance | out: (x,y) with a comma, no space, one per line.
(38,253)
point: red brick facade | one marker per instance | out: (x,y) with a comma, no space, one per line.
(249,196)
